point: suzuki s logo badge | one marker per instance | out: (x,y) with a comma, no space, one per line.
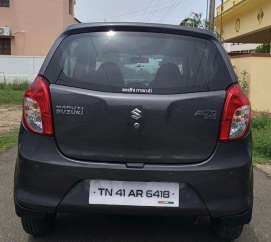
(136,114)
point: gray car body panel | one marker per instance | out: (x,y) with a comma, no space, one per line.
(46,181)
(171,126)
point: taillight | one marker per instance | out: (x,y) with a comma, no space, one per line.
(236,116)
(37,115)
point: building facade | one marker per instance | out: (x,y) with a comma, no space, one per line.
(249,21)
(29,27)
(244,21)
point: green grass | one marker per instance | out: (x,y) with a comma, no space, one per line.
(12,93)
(261,131)
(8,140)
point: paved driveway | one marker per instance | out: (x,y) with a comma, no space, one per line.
(126,229)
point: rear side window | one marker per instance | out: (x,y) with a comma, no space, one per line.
(136,62)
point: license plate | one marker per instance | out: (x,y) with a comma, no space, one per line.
(150,194)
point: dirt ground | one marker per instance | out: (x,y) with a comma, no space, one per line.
(265,168)
(10,117)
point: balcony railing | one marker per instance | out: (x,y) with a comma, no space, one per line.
(228,4)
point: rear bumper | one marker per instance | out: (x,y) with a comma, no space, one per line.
(47,182)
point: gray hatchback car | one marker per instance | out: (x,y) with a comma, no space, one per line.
(137,119)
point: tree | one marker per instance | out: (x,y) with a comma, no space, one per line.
(195,21)
(264,48)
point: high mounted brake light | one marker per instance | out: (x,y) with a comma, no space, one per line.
(236,118)
(37,112)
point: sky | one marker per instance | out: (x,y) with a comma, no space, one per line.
(155,11)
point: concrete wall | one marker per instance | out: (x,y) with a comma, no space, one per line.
(236,47)
(258,68)
(35,24)
(19,68)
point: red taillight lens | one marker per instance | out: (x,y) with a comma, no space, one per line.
(37,115)
(236,116)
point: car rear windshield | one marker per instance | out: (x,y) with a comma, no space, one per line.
(139,63)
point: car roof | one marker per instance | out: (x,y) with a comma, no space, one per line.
(144,27)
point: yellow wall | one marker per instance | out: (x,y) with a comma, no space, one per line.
(228,4)
(259,69)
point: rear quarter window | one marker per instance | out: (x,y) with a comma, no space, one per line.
(139,63)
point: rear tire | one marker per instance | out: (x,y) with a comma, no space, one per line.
(228,232)
(37,226)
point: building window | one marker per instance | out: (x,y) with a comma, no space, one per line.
(5,46)
(4,3)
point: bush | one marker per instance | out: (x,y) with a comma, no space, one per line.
(16,85)
(261,121)
(264,48)
(243,81)
(261,131)
(12,93)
